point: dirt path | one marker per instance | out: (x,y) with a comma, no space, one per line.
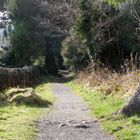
(69,120)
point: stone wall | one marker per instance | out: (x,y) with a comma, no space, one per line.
(26,76)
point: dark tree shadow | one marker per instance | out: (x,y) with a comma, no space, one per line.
(39,103)
(61,77)
(44,104)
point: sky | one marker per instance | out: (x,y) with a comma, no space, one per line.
(4,21)
(3,15)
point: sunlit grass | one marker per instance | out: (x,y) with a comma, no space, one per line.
(103,106)
(19,122)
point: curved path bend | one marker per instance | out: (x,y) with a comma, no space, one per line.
(69,119)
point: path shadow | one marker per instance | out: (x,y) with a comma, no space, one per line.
(60,79)
(39,103)
(64,76)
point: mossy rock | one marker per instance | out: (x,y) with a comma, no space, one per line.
(133,106)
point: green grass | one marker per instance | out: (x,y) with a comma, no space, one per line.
(18,122)
(103,106)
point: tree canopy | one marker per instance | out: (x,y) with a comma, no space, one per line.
(85,31)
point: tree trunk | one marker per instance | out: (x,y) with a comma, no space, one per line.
(51,64)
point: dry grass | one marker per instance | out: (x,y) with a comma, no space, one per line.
(105,81)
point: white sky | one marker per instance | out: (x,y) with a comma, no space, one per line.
(3,14)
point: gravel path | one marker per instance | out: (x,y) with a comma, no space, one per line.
(69,119)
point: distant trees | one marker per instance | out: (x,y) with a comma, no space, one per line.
(55,19)
(91,31)
(39,28)
(25,39)
(2,5)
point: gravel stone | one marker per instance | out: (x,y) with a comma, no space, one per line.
(69,119)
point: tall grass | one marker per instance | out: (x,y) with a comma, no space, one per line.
(104,80)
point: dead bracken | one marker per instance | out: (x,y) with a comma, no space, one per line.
(23,96)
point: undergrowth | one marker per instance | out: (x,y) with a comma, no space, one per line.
(18,122)
(103,80)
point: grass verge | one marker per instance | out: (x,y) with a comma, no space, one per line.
(103,106)
(18,122)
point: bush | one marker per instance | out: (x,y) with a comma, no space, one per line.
(105,33)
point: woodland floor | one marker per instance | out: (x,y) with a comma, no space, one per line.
(69,119)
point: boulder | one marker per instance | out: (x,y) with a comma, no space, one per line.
(133,106)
